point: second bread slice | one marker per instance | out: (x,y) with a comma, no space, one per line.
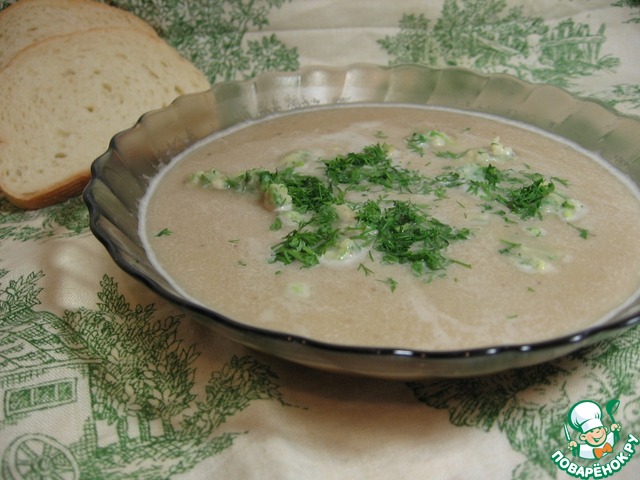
(64,98)
(30,21)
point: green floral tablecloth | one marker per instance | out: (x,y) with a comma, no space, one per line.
(99,378)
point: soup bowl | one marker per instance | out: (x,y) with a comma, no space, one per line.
(122,175)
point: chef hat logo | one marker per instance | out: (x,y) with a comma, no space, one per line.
(585,416)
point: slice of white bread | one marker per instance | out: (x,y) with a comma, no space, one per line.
(65,97)
(30,21)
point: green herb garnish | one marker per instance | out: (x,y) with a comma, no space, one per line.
(405,233)
(583,232)
(276,224)
(371,166)
(363,268)
(324,221)
(526,201)
(305,245)
(450,155)
(393,284)
(380,134)
(416,142)
(510,246)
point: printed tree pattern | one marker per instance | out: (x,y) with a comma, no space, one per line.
(635,5)
(211,33)
(487,36)
(144,369)
(240,382)
(27,225)
(18,296)
(529,405)
(138,367)
(484,35)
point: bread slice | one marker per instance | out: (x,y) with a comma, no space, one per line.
(65,97)
(30,21)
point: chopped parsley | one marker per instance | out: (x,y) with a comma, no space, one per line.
(165,232)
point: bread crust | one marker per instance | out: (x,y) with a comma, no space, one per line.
(56,194)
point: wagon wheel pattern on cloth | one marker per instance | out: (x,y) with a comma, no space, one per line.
(36,456)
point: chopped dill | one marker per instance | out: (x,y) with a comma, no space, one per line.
(526,201)
(416,142)
(363,268)
(323,217)
(509,247)
(393,284)
(407,234)
(276,224)
(450,155)
(380,134)
(583,232)
(372,166)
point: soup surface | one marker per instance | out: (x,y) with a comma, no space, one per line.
(396,226)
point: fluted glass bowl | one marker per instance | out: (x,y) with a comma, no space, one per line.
(121,176)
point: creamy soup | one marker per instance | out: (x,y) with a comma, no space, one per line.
(431,229)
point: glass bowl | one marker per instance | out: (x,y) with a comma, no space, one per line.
(121,176)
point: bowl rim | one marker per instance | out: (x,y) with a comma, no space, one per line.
(571,341)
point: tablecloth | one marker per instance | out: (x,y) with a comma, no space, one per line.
(101,378)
